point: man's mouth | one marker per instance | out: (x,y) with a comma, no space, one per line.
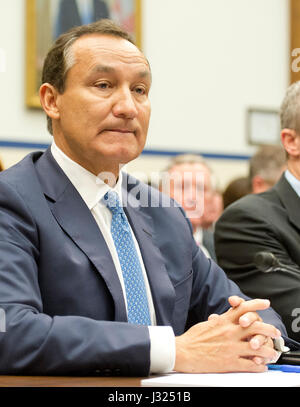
(124,131)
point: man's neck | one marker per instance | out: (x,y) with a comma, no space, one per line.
(107,172)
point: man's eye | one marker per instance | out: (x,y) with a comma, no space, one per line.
(102,85)
(140,90)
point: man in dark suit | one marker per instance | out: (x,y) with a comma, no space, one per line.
(67,293)
(71,14)
(269,221)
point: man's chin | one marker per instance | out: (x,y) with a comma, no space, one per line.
(196,223)
(120,156)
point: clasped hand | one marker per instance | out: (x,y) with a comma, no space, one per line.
(236,341)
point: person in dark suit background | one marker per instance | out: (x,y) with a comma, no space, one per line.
(73,13)
(62,284)
(269,221)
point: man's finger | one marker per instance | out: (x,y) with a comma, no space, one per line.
(257,341)
(248,365)
(249,306)
(248,318)
(264,352)
(261,328)
(258,360)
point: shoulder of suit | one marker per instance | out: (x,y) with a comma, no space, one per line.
(252,206)
(20,181)
(22,170)
(254,199)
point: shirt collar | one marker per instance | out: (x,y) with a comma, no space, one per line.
(90,187)
(293,181)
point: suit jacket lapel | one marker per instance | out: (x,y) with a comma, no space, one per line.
(162,290)
(75,218)
(289,199)
(78,223)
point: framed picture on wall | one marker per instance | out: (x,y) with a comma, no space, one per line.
(263,126)
(294,41)
(47,19)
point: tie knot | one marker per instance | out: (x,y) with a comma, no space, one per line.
(111,200)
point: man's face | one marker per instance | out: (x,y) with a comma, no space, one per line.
(190,185)
(104,112)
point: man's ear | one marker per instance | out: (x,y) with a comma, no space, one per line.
(291,142)
(48,98)
(258,184)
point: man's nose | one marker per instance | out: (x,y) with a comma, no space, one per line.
(125,105)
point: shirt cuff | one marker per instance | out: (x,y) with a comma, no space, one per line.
(280,347)
(162,349)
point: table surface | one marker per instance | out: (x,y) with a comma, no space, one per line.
(66,381)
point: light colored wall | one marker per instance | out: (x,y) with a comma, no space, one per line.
(211,59)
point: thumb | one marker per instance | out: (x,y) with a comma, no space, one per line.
(213,316)
(235,301)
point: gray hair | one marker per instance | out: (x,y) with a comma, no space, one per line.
(290,108)
(267,162)
(181,159)
(186,159)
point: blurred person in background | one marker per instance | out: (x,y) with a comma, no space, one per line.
(236,189)
(213,211)
(266,167)
(189,181)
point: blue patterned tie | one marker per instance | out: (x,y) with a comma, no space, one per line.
(137,303)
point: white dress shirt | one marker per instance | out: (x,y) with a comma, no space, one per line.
(92,190)
(293,181)
(198,236)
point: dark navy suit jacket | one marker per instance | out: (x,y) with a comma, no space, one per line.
(64,307)
(268,222)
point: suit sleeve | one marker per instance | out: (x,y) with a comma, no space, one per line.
(35,343)
(244,230)
(211,290)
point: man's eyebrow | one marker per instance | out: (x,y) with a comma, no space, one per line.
(145,74)
(109,69)
(103,68)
